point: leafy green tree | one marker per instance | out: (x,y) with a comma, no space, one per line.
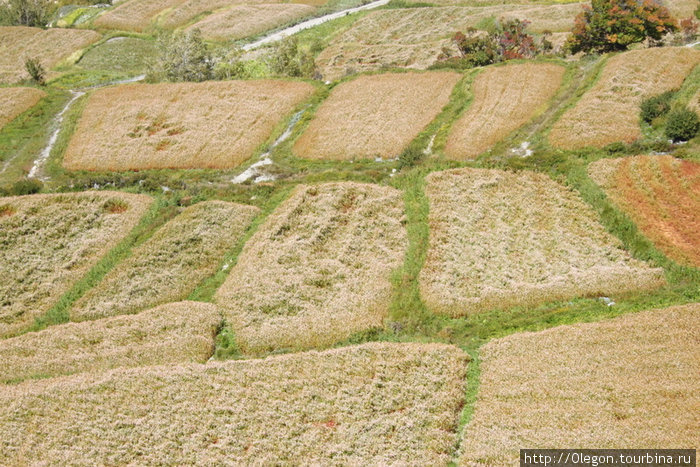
(612,25)
(26,12)
(186,57)
(682,125)
(288,59)
(36,70)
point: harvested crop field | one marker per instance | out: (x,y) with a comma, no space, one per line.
(623,383)
(505,98)
(661,195)
(14,101)
(318,270)
(681,9)
(501,239)
(49,46)
(190,10)
(134,15)
(242,21)
(375,116)
(609,111)
(173,333)
(50,241)
(168,125)
(371,43)
(169,265)
(372,404)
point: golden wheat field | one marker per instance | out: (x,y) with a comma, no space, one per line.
(662,195)
(170,334)
(134,15)
(50,241)
(375,116)
(372,404)
(622,383)
(169,125)
(501,239)
(170,264)
(318,270)
(49,46)
(505,98)
(415,37)
(14,101)
(609,111)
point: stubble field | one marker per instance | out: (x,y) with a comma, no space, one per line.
(14,101)
(169,125)
(134,15)
(170,334)
(500,239)
(318,270)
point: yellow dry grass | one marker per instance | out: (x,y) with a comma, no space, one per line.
(318,270)
(681,9)
(501,239)
(170,264)
(134,15)
(415,37)
(661,195)
(14,101)
(373,404)
(242,21)
(49,46)
(629,382)
(173,333)
(189,10)
(180,125)
(505,98)
(375,116)
(609,111)
(50,241)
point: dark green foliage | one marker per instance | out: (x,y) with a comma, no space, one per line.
(185,57)
(36,70)
(656,106)
(411,156)
(682,125)
(288,59)
(26,12)
(26,186)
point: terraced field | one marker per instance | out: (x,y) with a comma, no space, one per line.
(505,98)
(168,125)
(49,46)
(169,265)
(375,116)
(344,406)
(318,270)
(14,101)
(170,334)
(371,43)
(662,195)
(609,111)
(134,15)
(500,239)
(623,383)
(51,241)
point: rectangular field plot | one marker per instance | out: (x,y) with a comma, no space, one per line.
(169,265)
(505,98)
(375,116)
(609,111)
(49,46)
(374,404)
(500,239)
(14,101)
(662,195)
(627,382)
(318,270)
(190,10)
(50,241)
(173,333)
(157,126)
(371,43)
(134,15)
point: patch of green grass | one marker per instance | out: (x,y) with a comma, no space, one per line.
(121,54)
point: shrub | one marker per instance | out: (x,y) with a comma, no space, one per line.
(411,156)
(36,70)
(185,57)
(288,59)
(25,12)
(657,106)
(477,49)
(27,186)
(682,125)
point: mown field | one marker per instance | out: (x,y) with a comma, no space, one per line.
(14,101)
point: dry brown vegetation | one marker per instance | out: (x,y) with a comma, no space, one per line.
(242,21)
(681,9)
(169,265)
(609,111)
(51,241)
(501,239)
(661,195)
(318,270)
(623,383)
(505,98)
(14,101)
(373,404)
(134,15)
(169,125)
(375,116)
(49,46)
(415,37)
(189,10)
(173,333)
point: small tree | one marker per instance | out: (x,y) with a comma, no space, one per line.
(514,42)
(656,106)
(611,25)
(25,12)
(682,125)
(477,48)
(36,70)
(289,59)
(185,57)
